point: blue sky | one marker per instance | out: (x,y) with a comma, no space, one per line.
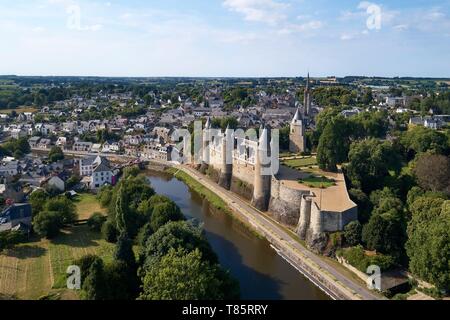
(225,37)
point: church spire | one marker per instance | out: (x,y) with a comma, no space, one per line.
(307,98)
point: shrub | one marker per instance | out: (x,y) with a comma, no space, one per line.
(164,213)
(357,257)
(96,221)
(109,231)
(47,224)
(85,264)
(352,233)
(10,238)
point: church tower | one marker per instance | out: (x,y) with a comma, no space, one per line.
(297,140)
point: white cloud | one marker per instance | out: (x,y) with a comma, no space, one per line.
(267,11)
(401,27)
(301,28)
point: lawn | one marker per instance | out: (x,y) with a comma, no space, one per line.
(317,182)
(300,162)
(29,271)
(87,204)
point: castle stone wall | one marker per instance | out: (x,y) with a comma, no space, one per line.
(242,188)
(244,171)
(336,221)
(285,203)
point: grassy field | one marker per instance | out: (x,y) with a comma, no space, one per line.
(317,182)
(301,162)
(87,204)
(19,110)
(37,268)
(30,271)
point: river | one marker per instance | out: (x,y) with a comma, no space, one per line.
(261,272)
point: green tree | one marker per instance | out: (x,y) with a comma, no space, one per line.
(428,241)
(369,163)
(386,230)
(122,214)
(47,224)
(146,207)
(322,119)
(37,200)
(85,263)
(124,251)
(63,207)
(176,235)
(121,283)
(284,138)
(10,238)
(109,231)
(96,221)
(125,199)
(363,202)
(56,154)
(334,144)
(420,139)
(433,172)
(352,233)
(95,284)
(184,275)
(164,213)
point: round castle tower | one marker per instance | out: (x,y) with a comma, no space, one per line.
(263,177)
(226,168)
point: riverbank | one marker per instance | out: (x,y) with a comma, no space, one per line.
(215,201)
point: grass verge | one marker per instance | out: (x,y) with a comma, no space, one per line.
(215,201)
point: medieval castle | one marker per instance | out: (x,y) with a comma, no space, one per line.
(240,164)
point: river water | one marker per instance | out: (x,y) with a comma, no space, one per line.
(261,272)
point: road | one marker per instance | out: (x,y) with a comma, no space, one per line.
(289,248)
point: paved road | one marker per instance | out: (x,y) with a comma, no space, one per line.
(261,221)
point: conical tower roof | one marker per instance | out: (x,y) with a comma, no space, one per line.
(263,139)
(297,116)
(208,123)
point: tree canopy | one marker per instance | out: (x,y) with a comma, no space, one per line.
(185,275)
(428,244)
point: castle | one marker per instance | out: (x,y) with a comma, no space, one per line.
(245,164)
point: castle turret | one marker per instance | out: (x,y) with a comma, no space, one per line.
(226,167)
(305,216)
(261,188)
(297,140)
(205,146)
